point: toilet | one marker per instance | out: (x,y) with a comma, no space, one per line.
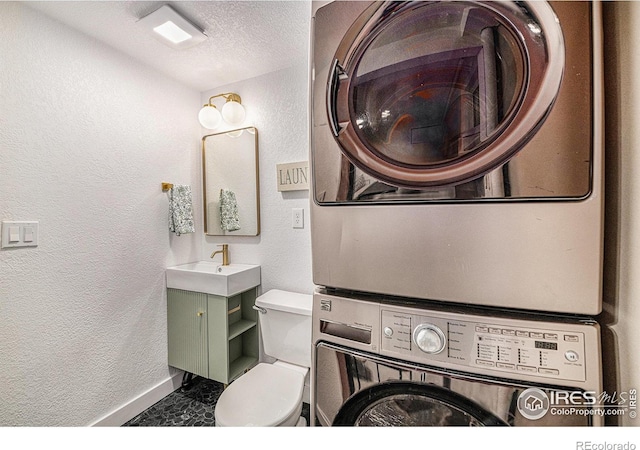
(271,395)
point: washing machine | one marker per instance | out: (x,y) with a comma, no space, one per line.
(380,362)
(457,151)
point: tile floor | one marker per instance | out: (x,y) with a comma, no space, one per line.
(184,407)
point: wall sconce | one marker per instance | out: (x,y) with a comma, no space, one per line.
(232,112)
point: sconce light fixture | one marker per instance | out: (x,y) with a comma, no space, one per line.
(232,112)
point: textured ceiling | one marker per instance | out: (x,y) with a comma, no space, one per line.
(246,38)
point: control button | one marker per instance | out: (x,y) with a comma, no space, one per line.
(535,335)
(502,365)
(495,330)
(527,369)
(551,336)
(509,332)
(482,362)
(388,331)
(522,333)
(429,338)
(546,371)
(571,338)
(482,329)
(402,347)
(571,356)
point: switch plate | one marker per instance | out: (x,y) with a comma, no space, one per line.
(297,218)
(19,234)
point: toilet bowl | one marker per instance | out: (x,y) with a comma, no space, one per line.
(267,396)
(271,395)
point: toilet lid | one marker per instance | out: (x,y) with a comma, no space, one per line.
(263,397)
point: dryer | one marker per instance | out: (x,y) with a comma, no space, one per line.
(456,152)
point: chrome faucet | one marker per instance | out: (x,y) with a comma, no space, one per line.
(225,254)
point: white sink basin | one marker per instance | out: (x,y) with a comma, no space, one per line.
(213,278)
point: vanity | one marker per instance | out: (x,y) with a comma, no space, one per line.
(212,326)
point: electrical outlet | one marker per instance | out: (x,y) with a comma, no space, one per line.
(297,218)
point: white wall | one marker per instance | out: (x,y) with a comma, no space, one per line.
(622,241)
(86,137)
(276,104)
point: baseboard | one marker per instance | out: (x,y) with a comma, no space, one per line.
(129,410)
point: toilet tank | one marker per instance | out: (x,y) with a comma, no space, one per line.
(286,326)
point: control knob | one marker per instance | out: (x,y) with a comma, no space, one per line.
(429,338)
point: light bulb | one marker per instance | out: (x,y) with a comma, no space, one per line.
(209,117)
(233,113)
(235,134)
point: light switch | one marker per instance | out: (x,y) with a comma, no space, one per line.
(19,234)
(28,234)
(14,234)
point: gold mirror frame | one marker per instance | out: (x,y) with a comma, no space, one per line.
(226,151)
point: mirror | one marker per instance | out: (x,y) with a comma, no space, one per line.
(230,180)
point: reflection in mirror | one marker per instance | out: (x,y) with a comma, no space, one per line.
(230,181)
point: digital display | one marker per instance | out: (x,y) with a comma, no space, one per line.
(547,345)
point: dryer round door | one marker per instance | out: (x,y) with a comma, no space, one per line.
(428,93)
(411,404)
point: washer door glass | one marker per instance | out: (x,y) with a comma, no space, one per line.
(411,404)
(440,93)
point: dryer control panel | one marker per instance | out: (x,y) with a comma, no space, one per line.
(549,350)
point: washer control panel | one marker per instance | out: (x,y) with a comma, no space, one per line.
(549,350)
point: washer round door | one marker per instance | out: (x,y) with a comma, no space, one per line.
(411,404)
(426,93)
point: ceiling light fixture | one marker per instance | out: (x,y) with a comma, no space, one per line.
(172,29)
(232,112)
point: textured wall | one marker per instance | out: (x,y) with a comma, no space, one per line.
(276,105)
(86,135)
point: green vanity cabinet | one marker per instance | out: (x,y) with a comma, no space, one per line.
(212,336)
(187,325)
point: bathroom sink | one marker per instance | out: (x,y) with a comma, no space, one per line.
(213,278)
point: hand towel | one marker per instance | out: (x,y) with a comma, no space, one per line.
(229,217)
(180,210)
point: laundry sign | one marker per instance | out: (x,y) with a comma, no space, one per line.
(293,176)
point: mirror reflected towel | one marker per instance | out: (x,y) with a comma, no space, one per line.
(229,217)
(181,209)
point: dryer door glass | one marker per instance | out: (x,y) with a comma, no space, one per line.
(412,404)
(441,93)
(436,84)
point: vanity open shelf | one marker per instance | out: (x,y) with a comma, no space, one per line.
(210,335)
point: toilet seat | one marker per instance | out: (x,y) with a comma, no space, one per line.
(266,396)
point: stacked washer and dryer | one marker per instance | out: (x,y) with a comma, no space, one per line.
(457,212)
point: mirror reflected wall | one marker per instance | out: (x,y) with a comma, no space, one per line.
(230,181)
